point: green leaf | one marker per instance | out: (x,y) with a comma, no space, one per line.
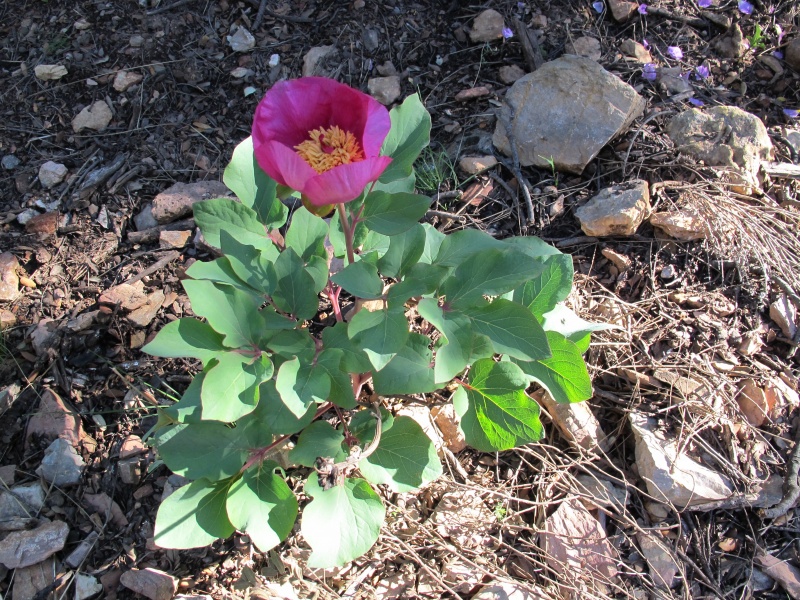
(253,187)
(456,329)
(193,516)
(404,252)
(319,439)
(354,360)
(294,289)
(409,372)
(405,458)
(207,450)
(532,246)
(422,279)
(186,337)
(459,246)
(240,221)
(433,242)
(542,293)
(494,411)
(491,272)
(261,505)
(230,389)
(219,270)
(363,424)
(317,267)
(392,214)
(564,374)
(254,266)
(512,328)
(273,416)
(341,394)
(410,133)
(406,184)
(293,343)
(337,237)
(189,409)
(360,279)
(301,385)
(307,234)
(342,523)
(380,334)
(571,326)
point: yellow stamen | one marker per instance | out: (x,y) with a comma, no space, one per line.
(329,148)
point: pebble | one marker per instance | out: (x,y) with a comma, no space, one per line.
(49,72)
(9,280)
(9,162)
(476,164)
(104,505)
(96,116)
(86,586)
(384,89)
(143,315)
(132,446)
(151,583)
(178,199)
(26,548)
(510,73)
(61,465)
(487,27)
(173,239)
(668,272)
(79,554)
(126,79)
(242,40)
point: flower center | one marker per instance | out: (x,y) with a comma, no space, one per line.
(329,148)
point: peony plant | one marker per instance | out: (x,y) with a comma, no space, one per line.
(309,326)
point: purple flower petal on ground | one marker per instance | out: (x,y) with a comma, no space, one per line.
(598,6)
(520,5)
(704,3)
(684,76)
(675,52)
(645,43)
(507,33)
(701,71)
(745,7)
(778,54)
(649,72)
(696,102)
(642,9)
(792,113)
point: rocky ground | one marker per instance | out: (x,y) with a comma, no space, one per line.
(658,144)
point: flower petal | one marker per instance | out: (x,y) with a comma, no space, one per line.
(283,164)
(345,182)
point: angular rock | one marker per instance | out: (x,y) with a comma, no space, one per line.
(45,336)
(242,40)
(601,492)
(488,26)
(173,239)
(150,583)
(61,465)
(7,473)
(446,420)
(622,10)
(510,73)
(127,296)
(316,59)
(106,508)
(9,280)
(616,210)
(19,505)
(130,470)
(575,421)
(49,72)
(51,174)
(575,544)
(475,164)
(731,44)
(724,136)
(86,586)
(26,548)
(636,50)
(46,224)
(132,446)
(620,261)
(384,89)
(145,314)
(784,313)
(586,46)
(672,477)
(145,220)
(97,116)
(670,79)
(81,551)
(550,123)
(7,319)
(54,419)
(30,581)
(660,559)
(177,201)
(125,79)
(683,225)
(792,53)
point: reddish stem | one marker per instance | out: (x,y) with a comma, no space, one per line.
(333,292)
(347,230)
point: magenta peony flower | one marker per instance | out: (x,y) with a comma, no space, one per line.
(321,138)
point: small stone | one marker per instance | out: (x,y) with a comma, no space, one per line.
(125,79)
(132,446)
(26,548)
(784,313)
(773,63)
(29,582)
(576,422)
(510,73)
(144,315)
(86,586)
(622,262)
(792,53)
(472,93)
(9,280)
(61,465)
(151,583)
(7,319)
(446,420)
(49,72)
(475,164)
(683,225)
(136,41)
(105,507)
(7,474)
(487,27)
(242,72)
(586,46)
(659,557)
(384,89)
(177,200)
(144,491)
(20,502)
(242,40)
(10,162)
(314,62)
(51,174)
(53,419)
(386,69)
(26,215)
(173,239)
(616,210)
(45,336)
(731,44)
(127,296)
(79,554)
(622,10)
(636,50)
(97,116)
(145,219)
(46,224)
(130,471)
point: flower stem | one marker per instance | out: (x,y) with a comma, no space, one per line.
(347,230)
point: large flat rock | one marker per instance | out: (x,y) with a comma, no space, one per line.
(566,110)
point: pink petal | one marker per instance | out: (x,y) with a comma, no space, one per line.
(345,182)
(283,164)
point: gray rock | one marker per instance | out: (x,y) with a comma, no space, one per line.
(26,548)
(86,586)
(488,26)
(510,73)
(96,116)
(20,505)
(242,40)
(670,474)
(125,79)
(9,280)
(29,581)
(145,219)
(566,110)
(384,89)
(151,583)
(61,465)
(315,61)
(586,46)
(616,210)
(731,44)
(660,559)
(26,215)
(79,554)
(792,53)
(622,10)
(727,137)
(9,162)
(671,80)
(177,200)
